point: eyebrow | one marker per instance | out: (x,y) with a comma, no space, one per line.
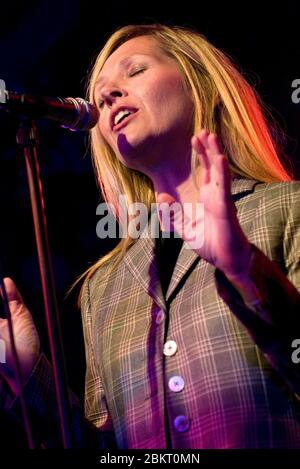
(122,64)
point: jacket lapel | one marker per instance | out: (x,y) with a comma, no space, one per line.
(140,261)
(186,262)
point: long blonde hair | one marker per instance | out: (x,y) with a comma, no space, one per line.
(224,103)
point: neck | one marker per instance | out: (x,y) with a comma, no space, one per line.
(177,183)
(182,189)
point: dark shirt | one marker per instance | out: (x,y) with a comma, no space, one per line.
(167,251)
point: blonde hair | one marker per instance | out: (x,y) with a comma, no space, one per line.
(224,103)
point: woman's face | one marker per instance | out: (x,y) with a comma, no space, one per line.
(145,110)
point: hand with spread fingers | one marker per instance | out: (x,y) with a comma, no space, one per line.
(221,241)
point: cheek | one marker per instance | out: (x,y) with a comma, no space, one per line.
(171,96)
(102,122)
(104,128)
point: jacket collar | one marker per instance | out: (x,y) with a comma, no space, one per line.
(240,187)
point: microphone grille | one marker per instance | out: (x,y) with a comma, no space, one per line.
(87,114)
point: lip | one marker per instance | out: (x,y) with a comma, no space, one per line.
(124,121)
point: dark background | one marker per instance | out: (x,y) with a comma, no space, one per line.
(46,47)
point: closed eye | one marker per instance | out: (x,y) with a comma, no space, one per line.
(136,71)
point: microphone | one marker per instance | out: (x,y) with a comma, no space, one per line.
(71,113)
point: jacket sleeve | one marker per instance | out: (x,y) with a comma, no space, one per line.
(273,320)
(40,398)
(95,405)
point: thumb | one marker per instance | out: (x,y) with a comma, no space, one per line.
(171,214)
(165,197)
(186,220)
(14,297)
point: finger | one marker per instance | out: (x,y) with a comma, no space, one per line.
(199,148)
(203,136)
(203,160)
(13,296)
(215,152)
(214,145)
(223,178)
(12,292)
(221,173)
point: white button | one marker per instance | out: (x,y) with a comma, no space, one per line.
(170,348)
(181,423)
(176,383)
(159,317)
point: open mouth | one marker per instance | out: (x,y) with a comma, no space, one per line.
(122,117)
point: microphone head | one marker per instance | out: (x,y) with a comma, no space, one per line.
(71,113)
(87,114)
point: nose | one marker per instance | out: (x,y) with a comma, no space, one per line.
(111,93)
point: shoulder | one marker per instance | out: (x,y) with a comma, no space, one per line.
(104,280)
(281,196)
(267,206)
(94,286)
(252,193)
(284,190)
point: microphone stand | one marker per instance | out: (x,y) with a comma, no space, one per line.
(27,139)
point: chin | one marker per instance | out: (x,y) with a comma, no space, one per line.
(131,149)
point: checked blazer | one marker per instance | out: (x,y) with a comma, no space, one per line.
(228,380)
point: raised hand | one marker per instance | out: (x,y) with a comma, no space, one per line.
(26,338)
(223,243)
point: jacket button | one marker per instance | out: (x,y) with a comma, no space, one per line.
(170,348)
(176,383)
(181,423)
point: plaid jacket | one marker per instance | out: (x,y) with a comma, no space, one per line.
(200,369)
